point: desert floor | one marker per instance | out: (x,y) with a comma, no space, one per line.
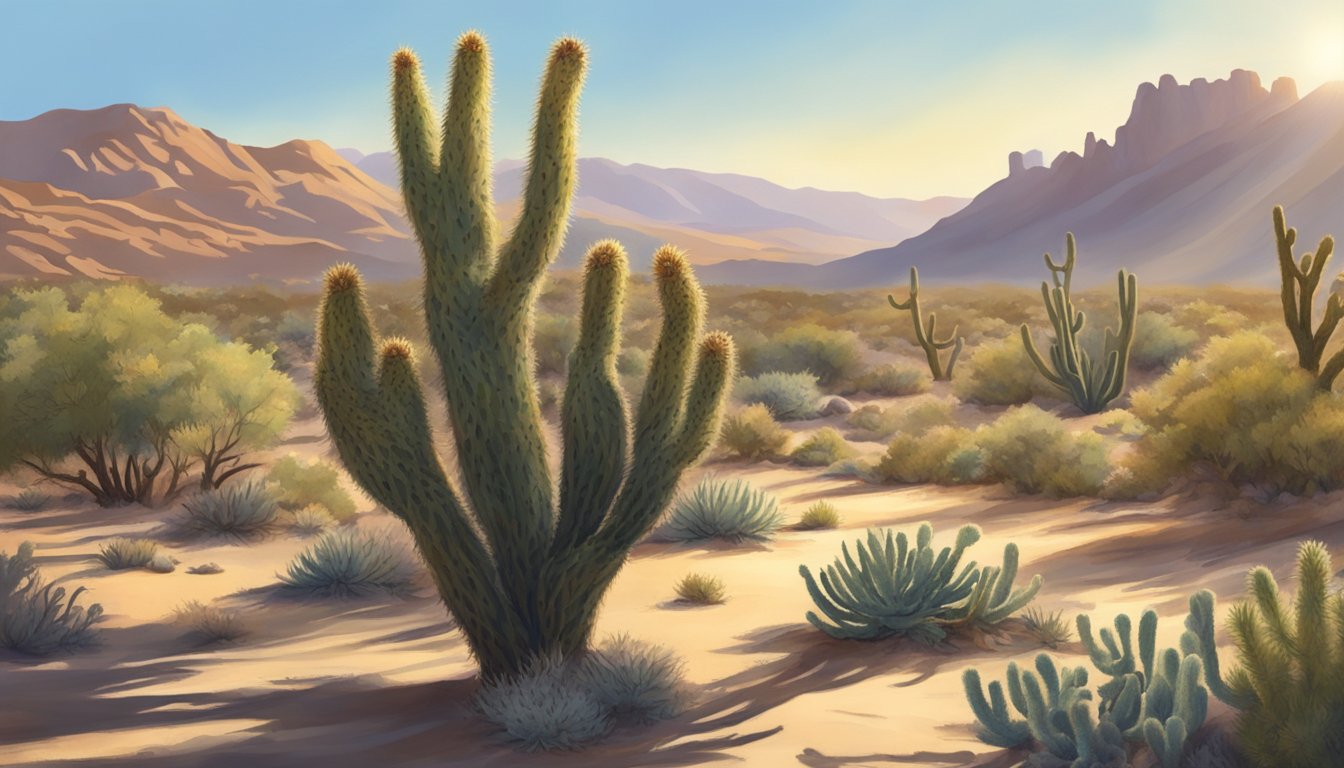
(384,681)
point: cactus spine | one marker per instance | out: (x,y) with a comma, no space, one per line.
(1301,279)
(522,572)
(1092,387)
(925,332)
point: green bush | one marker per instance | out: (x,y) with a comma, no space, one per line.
(107,394)
(822,449)
(346,563)
(120,554)
(700,589)
(752,433)
(552,339)
(633,678)
(298,484)
(311,520)
(1032,451)
(1246,410)
(789,396)
(722,509)
(36,618)
(997,372)
(1159,342)
(892,380)
(832,356)
(872,422)
(946,455)
(241,511)
(822,515)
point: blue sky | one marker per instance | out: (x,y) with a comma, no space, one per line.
(890,98)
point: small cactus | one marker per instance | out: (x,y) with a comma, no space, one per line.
(1300,281)
(926,332)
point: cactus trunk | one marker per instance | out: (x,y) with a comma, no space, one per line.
(1300,281)
(522,572)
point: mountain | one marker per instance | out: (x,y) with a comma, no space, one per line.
(1183,194)
(715,216)
(128,190)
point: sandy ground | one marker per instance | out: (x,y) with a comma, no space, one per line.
(387,681)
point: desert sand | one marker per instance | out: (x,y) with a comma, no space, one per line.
(386,680)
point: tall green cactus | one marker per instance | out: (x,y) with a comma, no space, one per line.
(1090,385)
(926,332)
(1300,281)
(522,572)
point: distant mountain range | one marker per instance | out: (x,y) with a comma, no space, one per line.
(126,190)
(1184,195)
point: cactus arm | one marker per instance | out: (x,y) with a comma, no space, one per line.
(1041,366)
(416,135)
(997,727)
(1311,613)
(595,430)
(467,247)
(705,398)
(956,353)
(551,174)
(1199,639)
(926,330)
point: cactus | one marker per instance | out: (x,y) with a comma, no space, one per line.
(1092,387)
(925,332)
(994,598)
(1118,660)
(1290,685)
(521,571)
(1300,281)
(895,590)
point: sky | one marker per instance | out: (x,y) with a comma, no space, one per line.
(894,98)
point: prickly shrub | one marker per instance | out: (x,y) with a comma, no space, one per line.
(821,515)
(700,589)
(29,500)
(822,449)
(889,588)
(119,554)
(207,625)
(1051,629)
(633,678)
(347,563)
(789,396)
(240,511)
(36,618)
(544,707)
(311,520)
(752,433)
(722,509)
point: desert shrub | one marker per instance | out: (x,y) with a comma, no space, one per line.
(36,618)
(545,707)
(997,372)
(889,588)
(752,433)
(857,469)
(892,380)
(1032,451)
(241,511)
(107,394)
(832,356)
(1247,411)
(632,678)
(942,454)
(1159,342)
(789,396)
(28,500)
(1050,629)
(722,509)
(822,449)
(821,515)
(925,415)
(119,554)
(207,624)
(552,339)
(700,589)
(311,520)
(873,422)
(347,563)
(633,362)
(298,483)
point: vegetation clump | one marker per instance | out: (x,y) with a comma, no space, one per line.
(821,515)
(700,589)
(240,511)
(347,563)
(822,449)
(297,484)
(722,509)
(752,433)
(119,554)
(788,396)
(38,619)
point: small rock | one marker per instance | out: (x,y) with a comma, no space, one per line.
(162,564)
(836,406)
(205,570)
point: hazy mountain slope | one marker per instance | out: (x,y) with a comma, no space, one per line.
(1183,196)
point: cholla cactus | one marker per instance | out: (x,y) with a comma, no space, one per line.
(1091,384)
(522,571)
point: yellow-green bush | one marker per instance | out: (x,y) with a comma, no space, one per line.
(752,433)
(833,356)
(822,449)
(1245,409)
(1159,342)
(997,372)
(1032,451)
(942,454)
(891,380)
(296,484)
